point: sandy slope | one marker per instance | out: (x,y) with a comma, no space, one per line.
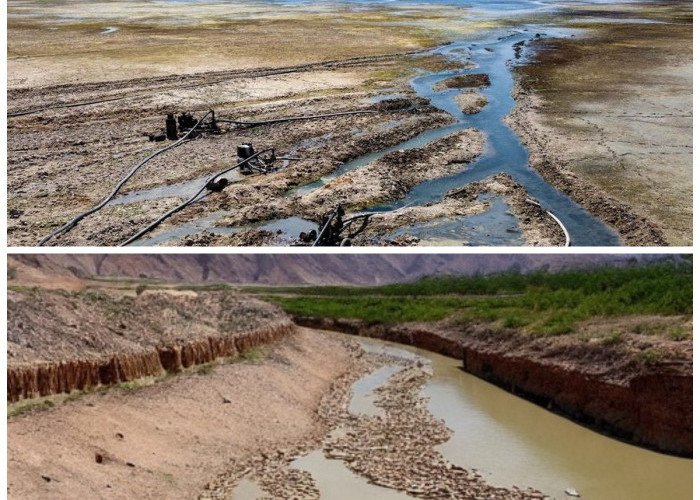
(177,433)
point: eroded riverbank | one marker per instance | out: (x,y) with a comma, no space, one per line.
(613,390)
(392,421)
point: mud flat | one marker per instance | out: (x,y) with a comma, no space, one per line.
(594,112)
(55,45)
(538,228)
(394,450)
(92,165)
(607,117)
(78,138)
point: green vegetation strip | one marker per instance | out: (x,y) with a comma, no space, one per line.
(539,303)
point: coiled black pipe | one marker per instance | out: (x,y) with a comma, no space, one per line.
(69,225)
(156,223)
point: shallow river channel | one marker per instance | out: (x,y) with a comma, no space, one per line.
(492,54)
(508,440)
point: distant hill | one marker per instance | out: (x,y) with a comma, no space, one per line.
(294,269)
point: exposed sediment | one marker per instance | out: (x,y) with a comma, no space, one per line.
(169,439)
(397,449)
(391,177)
(58,342)
(393,450)
(607,117)
(650,406)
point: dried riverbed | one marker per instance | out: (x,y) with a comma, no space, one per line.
(71,140)
(395,449)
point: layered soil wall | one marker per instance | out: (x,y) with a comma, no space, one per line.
(651,410)
(654,411)
(43,379)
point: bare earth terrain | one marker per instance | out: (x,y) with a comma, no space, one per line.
(177,434)
(608,118)
(198,429)
(119,391)
(605,116)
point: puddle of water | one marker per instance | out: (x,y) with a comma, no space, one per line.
(247,489)
(290,227)
(183,190)
(186,229)
(337,482)
(496,226)
(363,397)
(514,442)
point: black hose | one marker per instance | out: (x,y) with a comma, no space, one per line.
(192,199)
(69,225)
(323,230)
(294,158)
(59,106)
(292,118)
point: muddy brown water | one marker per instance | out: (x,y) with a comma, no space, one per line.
(510,442)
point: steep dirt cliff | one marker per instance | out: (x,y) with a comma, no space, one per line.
(61,341)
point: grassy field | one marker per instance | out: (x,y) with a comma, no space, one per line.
(540,303)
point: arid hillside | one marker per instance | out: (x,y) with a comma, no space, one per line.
(288,269)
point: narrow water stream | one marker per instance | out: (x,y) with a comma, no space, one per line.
(503,151)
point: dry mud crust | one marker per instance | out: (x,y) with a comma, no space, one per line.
(271,468)
(476,80)
(70,163)
(409,463)
(265,197)
(391,177)
(168,440)
(59,341)
(397,449)
(54,98)
(620,387)
(54,43)
(607,119)
(470,102)
(539,229)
